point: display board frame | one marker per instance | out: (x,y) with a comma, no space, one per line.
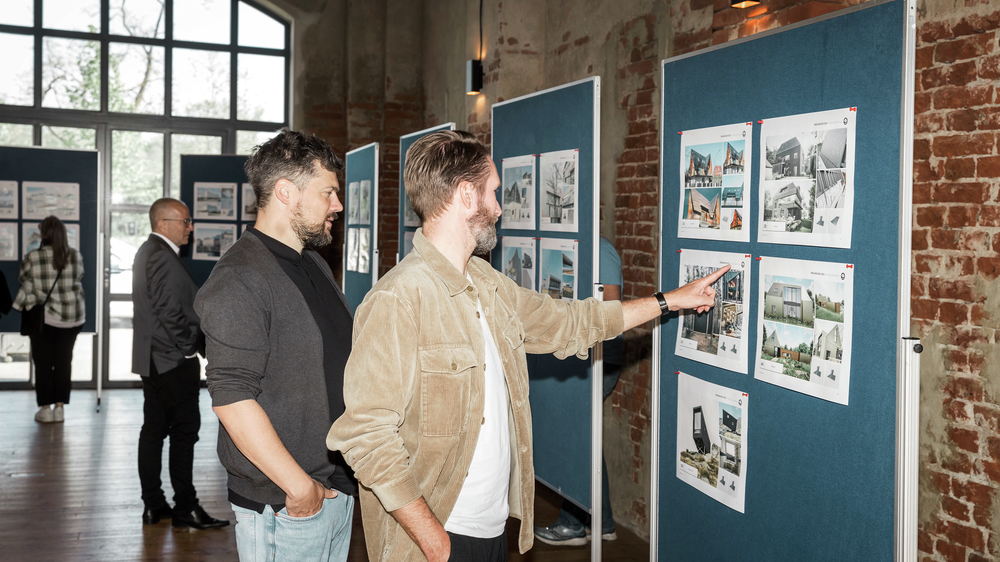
(405,142)
(558,119)
(361,164)
(871,504)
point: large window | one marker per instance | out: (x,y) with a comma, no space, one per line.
(142,82)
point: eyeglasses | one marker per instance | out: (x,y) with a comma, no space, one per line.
(187,222)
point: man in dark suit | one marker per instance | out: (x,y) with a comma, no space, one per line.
(166,340)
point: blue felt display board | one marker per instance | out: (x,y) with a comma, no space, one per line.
(819,476)
(405,142)
(362,164)
(562,118)
(48,165)
(210,168)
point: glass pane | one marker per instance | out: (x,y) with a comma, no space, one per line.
(71,74)
(205,21)
(15,366)
(13,134)
(247,140)
(120,341)
(200,84)
(188,144)
(18,12)
(128,232)
(136,167)
(135,78)
(17,67)
(69,137)
(261,88)
(137,18)
(72,15)
(258,29)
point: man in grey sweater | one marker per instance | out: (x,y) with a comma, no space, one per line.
(278,335)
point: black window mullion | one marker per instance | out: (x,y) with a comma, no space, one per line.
(234,30)
(168,58)
(168,139)
(38,55)
(105,57)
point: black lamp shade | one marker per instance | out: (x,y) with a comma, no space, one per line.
(473,77)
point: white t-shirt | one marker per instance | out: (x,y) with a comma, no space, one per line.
(481,509)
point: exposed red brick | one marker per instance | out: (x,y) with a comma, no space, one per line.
(966,439)
(955,97)
(989,266)
(988,167)
(950,552)
(952,289)
(969,192)
(955,508)
(932,217)
(965,48)
(953,313)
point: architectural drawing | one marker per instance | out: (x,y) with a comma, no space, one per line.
(558,191)
(713,172)
(518,193)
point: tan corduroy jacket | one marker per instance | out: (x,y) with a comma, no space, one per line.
(414,385)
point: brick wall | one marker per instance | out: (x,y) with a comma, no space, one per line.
(955,241)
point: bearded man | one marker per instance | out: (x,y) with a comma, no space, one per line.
(278,334)
(437,425)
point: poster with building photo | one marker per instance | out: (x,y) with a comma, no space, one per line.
(407,244)
(714,174)
(518,193)
(519,260)
(712,439)
(42,199)
(364,245)
(31,239)
(410,217)
(807,179)
(211,241)
(8,241)
(249,211)
(352,249)
(214,201)
(8,200)
(558,194)
(353,204)
(558,268)
(717,337)
(365,203)
(804,327)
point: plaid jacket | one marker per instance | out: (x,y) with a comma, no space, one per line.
(37,276)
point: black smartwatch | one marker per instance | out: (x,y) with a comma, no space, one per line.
(664,307)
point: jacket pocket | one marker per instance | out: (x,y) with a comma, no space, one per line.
(444,397)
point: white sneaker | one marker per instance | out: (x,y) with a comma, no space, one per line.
(44,415)
(57,415)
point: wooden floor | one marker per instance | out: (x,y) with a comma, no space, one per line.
(70,491)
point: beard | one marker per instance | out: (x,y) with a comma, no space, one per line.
(311,234)
(484,230)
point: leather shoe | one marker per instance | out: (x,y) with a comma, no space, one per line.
(197,519)
(152,515)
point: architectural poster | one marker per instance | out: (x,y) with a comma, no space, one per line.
(559,197)
(518,193)
(214,201)
(31,239)
(807,179)
(42,199)
(558,268)
(212,240)
(249,211)
(8,241)
(407,244)
(8,200)
(410,217)
(711,439)
(364,253)
(715,183)
(365,203)
(717,337)
(804,327)
(352,249)
(353,203)
(519,260)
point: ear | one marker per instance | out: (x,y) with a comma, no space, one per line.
(285,191)
(467,196)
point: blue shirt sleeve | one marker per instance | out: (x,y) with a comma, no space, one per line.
(611,264)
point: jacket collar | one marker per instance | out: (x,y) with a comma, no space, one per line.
(451,277)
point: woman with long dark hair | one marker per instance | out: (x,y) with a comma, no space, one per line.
(53,272)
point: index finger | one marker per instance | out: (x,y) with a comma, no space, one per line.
(713,277)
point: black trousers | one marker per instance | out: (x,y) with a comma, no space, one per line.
(472,549)
(170,409)
(52,354)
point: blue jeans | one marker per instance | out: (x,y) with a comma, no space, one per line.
(322,537)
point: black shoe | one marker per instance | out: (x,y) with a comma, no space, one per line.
(152,515)
(197,519)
